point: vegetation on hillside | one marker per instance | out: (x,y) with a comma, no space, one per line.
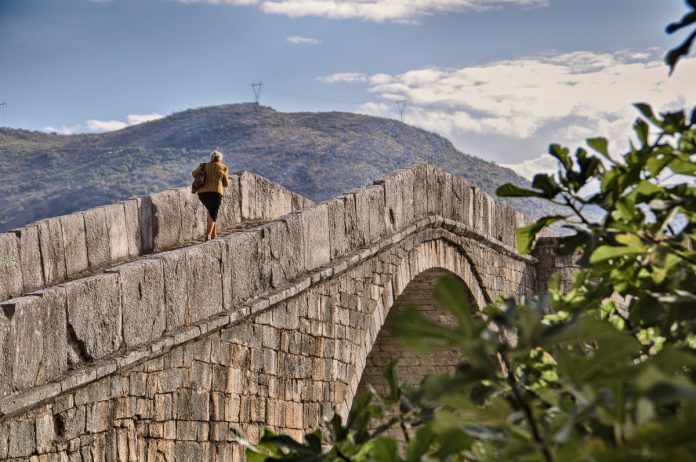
(603,372)
(318,155)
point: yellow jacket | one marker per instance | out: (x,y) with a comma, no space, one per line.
(215,177)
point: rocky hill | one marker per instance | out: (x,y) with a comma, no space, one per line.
(318,155)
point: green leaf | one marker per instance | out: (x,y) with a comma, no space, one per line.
(561,153)
(547,185)
(647,111)
(511,190)
(453,296)
(526,236)
(601,145)
(607,252)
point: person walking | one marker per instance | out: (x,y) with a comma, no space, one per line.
(212,190)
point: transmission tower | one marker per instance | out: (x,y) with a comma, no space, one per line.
(401,104)
(256,87)
(2,105)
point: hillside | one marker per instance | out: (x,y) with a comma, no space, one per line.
(315,154)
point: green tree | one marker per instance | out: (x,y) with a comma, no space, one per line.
(605,371)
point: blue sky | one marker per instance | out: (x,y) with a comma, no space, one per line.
(501,78)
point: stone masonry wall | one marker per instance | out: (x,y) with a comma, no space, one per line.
(59,347)
(67,247)
(277,368)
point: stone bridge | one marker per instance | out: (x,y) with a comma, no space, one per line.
(124,338)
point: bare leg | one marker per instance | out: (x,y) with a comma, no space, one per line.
(209,228)
(214,232)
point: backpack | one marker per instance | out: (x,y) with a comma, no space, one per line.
(198,180)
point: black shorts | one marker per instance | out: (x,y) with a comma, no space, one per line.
(212,201)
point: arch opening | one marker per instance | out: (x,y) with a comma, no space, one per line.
(411,366)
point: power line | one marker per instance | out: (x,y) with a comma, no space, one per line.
(256,87)
(401,104)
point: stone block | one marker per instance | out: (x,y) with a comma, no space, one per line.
(337,227)
(37,337)
(362,218)
(94,317)
(272,200)
(7,349)
(204,281)
(376,211)
(133,236)
(230,214)
(116,228)
(97,235)
(11,283)
(142,300)
(281,256)
(240,268)
(30,258)
(192,405)
(461,200)
(437,186)
(175,288)
(22,438)
(45,430)
(145,216)
(52,251)
(193,216)
(315,226)
(166,219)
(420,191)
(354,237)
(247,190)
(75,242)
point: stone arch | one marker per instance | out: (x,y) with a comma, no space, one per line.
(413,284)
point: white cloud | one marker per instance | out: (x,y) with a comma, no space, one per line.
(343,77)
(372,10)
(101,126)
(97,126)
(135,119)
(528,168)
(519,105)
(297,40)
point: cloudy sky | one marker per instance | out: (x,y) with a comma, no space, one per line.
(501,78)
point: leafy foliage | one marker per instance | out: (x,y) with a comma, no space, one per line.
(603,371)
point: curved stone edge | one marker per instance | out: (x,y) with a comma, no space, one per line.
(58,249)
(20,402)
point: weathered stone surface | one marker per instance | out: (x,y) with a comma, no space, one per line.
(52,251)
(75,242)
(420,191)
(133,236)
(272,200)
(204,282)
(247,188)
(241,273)
(30,258)
(145,216)
(230,213)
(38,336)
(116,227)
(166,219)
(142,295)
(175,288)
(94,317)
(315,225)
(22,438)
(377,216)
(7,349)
(97,234)
(337,227)
(45,430)
(11,284)
(362,218)
(193,216)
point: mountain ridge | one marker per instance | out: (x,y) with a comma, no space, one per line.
(316,154)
